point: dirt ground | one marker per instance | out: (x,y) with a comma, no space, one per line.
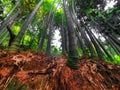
(32,71)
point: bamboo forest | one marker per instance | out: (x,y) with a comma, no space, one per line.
(59,44)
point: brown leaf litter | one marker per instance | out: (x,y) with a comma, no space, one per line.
(42,72)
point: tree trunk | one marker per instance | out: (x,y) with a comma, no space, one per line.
(72,61)
(63,36)
(8,20)
(42,39)
(66,39)
(87,42)
(81,43)
(48,50)
(15,45)
(12,36)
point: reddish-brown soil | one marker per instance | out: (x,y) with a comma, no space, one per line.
(42,72)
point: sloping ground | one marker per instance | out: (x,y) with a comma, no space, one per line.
(30,71)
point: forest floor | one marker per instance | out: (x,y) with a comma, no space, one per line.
(32,71)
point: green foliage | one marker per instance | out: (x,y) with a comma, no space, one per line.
(116,59)
(16,29)
(5,42)
(80,52)
(56,51)
(58,17)
(8,8)
(45,45)
(44,9)
(15,85)
(2,47)
(33,45)
(26,39)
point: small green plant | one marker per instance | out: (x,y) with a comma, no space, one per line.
(116,59)
(15,85)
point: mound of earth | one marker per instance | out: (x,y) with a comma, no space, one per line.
(32,71)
